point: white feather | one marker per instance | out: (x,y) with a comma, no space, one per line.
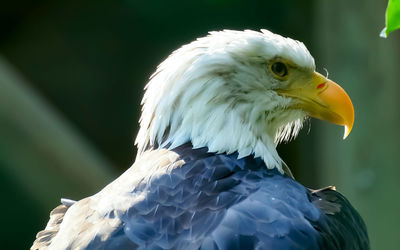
(216,92)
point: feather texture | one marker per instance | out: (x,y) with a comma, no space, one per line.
(192,199)
(219,86)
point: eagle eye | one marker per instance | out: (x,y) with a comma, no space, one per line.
(279,69)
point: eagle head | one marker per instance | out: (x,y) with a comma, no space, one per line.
(238,91)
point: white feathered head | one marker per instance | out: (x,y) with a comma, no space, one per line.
(238,91)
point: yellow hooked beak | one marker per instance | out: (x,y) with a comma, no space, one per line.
(323,99)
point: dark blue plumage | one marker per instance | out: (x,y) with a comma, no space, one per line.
(215,201)
(192,199)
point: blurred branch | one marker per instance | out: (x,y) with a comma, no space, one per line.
(40,150)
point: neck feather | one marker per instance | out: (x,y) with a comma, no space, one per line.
(223,127)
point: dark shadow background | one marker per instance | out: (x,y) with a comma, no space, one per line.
(88,61)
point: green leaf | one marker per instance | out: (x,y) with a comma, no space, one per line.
(392,17)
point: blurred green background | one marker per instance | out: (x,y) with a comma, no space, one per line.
(71,80)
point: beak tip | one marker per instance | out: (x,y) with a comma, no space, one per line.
(347,131)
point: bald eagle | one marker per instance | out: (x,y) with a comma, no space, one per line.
(207,174)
